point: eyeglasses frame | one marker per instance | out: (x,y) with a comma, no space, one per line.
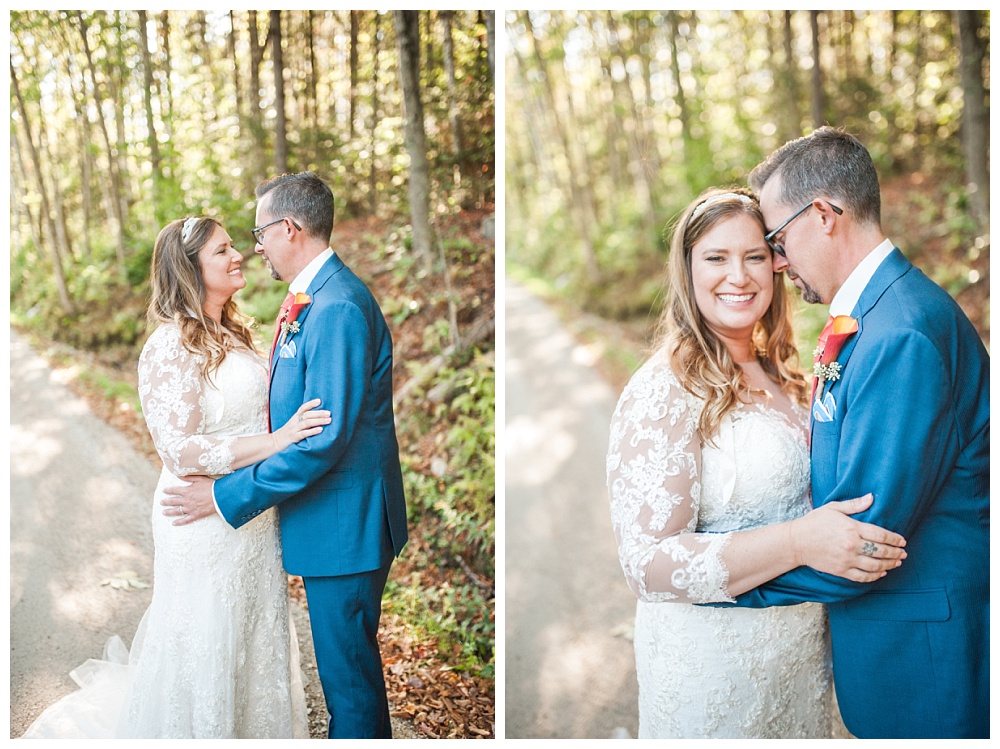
(258,231)
(769,237)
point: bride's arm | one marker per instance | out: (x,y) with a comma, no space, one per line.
(654,478)
(825,539)
(171,391)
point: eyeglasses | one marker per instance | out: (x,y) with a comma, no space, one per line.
(258,233)
(769,237)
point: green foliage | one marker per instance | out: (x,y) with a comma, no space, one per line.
(459,617)
(602,112)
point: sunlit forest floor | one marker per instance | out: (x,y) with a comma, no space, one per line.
(429,682)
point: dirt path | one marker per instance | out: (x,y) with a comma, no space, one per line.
(79,515)
(569,669)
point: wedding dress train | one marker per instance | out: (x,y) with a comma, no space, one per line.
(707,672)
(215,654)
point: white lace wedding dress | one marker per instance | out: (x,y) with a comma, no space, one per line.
(707,672)
(215,655)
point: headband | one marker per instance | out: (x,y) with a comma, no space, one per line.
(188,228)
(718,199)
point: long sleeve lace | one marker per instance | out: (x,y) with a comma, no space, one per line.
(653,471)
(172,393)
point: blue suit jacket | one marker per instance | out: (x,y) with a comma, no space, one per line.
(912,426)
(340,493)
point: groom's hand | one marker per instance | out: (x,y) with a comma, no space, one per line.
(191,502)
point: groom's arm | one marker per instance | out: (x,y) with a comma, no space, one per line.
(338,360)
(898,440)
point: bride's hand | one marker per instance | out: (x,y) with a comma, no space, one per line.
(306,422)
(828,540)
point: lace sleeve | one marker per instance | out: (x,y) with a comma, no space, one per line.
(171,391)
(653,469)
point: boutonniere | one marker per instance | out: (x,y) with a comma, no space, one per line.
(826,368)
(289,323)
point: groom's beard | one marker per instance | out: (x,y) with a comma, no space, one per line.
(809,294)
(271,270)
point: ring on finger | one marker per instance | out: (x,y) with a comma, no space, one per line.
(868,549)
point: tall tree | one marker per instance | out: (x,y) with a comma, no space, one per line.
(975,115)
(354,70)
(113,187)
(151,139)
(582,216)
(490,22)
(408,40)
(280,124)
(818,105)
(46,213)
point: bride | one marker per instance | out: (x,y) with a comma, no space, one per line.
(708,472)
(214,655)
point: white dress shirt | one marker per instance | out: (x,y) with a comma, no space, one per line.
(845,300)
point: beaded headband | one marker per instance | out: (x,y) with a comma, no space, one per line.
(188,228)
(718,199)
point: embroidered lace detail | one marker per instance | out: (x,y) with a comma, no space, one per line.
(704,671)
(188,417)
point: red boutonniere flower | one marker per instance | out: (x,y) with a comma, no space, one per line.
(290,325)
(826,367)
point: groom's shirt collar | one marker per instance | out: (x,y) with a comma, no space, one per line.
(301,282)
(846,299)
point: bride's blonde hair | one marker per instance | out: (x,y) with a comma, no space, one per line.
(699,360)
(178,294)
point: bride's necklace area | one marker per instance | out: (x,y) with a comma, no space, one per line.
(757,381)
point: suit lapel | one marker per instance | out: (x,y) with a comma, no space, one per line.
(328,270)
(889,271)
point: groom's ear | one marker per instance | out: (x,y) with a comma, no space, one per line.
(828,216)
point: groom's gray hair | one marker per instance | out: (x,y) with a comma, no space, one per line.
(830,163)
(304,197)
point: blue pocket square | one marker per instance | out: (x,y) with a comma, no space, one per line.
(825,408)
(287,350)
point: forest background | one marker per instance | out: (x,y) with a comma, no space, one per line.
(616,120)
(122,121)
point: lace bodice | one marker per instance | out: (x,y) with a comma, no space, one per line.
(675,499)
(195,422)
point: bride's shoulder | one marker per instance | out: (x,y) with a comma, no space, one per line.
(656,383)
(656,374)
(164,343)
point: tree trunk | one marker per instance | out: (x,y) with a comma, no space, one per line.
(167,115)
(280,137)
(354,69)
(642,152)
(683,115)
(408,39)
(114,188)
(83,140)
(254,116)
(463,169)
(583,217)
(817,73)
(312,103)
(373,133)
(231,47)
(490,18)
(794,124)
(151,140)
(46,216)
(976,115)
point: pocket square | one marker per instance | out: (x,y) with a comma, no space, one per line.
(825,408)
(287,350)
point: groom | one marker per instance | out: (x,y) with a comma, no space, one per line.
(340,493)
(907,418)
